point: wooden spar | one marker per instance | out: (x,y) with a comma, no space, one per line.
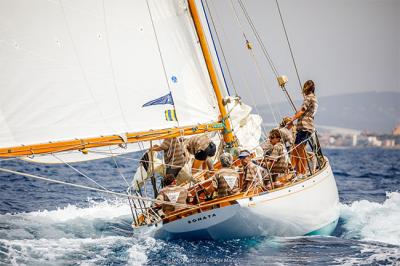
(228,135)
(81,144)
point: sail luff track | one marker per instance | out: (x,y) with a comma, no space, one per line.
(84,143)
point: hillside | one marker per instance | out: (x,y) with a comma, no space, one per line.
(377,112)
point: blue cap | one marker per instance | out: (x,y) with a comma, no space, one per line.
(244,154)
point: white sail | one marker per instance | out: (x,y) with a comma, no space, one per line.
(76,69)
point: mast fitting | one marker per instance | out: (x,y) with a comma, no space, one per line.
(282,80)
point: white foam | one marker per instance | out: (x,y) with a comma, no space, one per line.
(137,253)
(372,221)
(68,222)
(85,251)
(372,254)
(97,210)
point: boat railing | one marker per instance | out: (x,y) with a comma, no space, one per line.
(316,152)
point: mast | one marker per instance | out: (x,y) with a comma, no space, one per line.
(228,135)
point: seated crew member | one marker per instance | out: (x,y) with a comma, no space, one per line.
(203,148)
(174,155)
(227,178)
(287,137)
(252,175)
(171,193)
(286,131)
(277,161)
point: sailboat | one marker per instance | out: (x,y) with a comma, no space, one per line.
(84,81)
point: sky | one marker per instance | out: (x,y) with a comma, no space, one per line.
(345,46)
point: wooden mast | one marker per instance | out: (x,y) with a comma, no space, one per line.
(228,135)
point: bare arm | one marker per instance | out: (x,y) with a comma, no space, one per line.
(210,165)
(155,148)
(298,115)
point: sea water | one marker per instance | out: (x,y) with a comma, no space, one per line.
(50,224)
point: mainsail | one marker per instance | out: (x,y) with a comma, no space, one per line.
(81,69)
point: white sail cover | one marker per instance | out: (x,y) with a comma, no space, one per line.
(79,68)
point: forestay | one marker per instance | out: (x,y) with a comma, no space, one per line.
(77,69)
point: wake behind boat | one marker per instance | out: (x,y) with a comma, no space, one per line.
(125,88)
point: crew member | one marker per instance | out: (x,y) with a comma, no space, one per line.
(286,132)
(252,176)
(305,126)
(203,148)
(227,178)
(287,137)
(174,155)
(276,162)
(171,193)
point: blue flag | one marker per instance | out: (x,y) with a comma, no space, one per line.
(166,99)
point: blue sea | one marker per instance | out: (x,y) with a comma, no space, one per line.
(51,224)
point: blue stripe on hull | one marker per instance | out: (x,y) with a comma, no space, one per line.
(327,230)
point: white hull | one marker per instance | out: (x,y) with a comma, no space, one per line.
(308,207)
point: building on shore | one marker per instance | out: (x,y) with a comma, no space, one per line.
(396,130)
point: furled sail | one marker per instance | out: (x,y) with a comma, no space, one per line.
(78,69)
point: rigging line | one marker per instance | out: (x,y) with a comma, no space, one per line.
(138,160)
(84,75)
(243,78)
(160,53)
(237,19)
(215,48)
(288,42)
(112,65)
(119,194)
(264,83)
(236,15)
(79,172)
(263,48)
(220,45)
(118,169)
(265,52)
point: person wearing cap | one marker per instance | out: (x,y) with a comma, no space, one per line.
(171,193)
(174,155)
(226,178)
(203,148)
(305,126)
(276,162)
(252,175)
